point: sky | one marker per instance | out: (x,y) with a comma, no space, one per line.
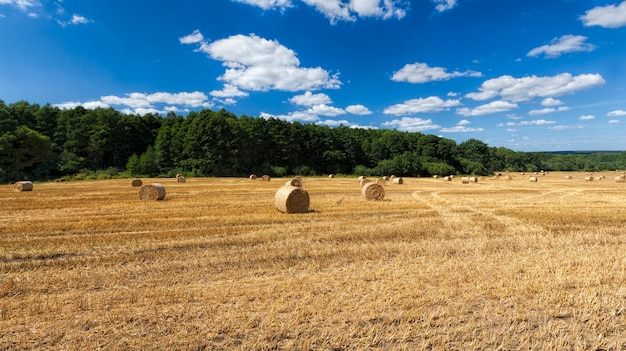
(528,75)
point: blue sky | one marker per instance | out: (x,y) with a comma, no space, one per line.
(529,75)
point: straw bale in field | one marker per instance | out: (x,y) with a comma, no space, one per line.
(178,175)
(398,180)
(386,178)
(447,178)
(473,180)
(331,176)
(373,191)
(152,192)
(181,179)
(291,199)
(508,177)
(465,180)
(568,177)
(136,183)
(588,179)
(252,176)
(381,181)
(361,178)
(297,182)
(266,178)
(23,185)
(435,177)
(364,181)
(620,179)
(532,179)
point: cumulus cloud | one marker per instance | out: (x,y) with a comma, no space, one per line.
(562,45)
(310,99)
(358,110)
(341,10)
(609,16)
(257,64)
(547,110)
(586,118)
(326,110)
(461,127)
(614,121)
(23,5)
(422,73)
(616,113)
(410,124)
(429,104)
(75,20)
(492,107)
(562,127)
(549,102)
(444,5)
(526,88)
(304,116)
(228,91)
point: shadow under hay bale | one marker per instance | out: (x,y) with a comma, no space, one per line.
(136,183)
(152,192)
(373,191)
(23,185)
(291,199)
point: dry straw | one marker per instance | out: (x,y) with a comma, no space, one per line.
(291,199)
(23,185)
(136,183)
(152,192)
(373,191)
(297,182)
(398,180)
(381,181)
(265,178)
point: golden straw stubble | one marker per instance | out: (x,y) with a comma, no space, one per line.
(291,199)
(373,191)
(152,192)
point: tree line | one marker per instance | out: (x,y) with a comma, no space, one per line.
(45,142)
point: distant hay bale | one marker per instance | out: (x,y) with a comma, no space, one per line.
(447,178)
(473,180)
(297,182)
(569,177)
(253,176)
(398,180)
(589,179)
(361,178)
(436,176)
(392,176)
(181,179)
(532,179)
(381,181)
(597,178)
(179,175)
(508,177)
(364,181)
(23,185)
(465,180)
(136,183)
(331,176)
(620,179)
(386,178)
(373,191)
(152,192)
(266,178)
(291,199)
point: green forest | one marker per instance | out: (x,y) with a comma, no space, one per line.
(47,143)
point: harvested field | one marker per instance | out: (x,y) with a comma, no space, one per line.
(436,265)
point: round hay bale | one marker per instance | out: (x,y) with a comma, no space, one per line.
(266,178)
(398,180)
(392,176)
(23,185)
(386,178)
(532,179)
(179,175)
(588,179)
(436,176)
(568,177)
(508,177)
(373,191)
(620,179)
(297,182)
(465,180)
(364,181)
(473,180)
(331,176)
(136,183)
(181,179)
(291,199)
(152,192)
(361,178)
(253,176)
(381,181)
(447,178)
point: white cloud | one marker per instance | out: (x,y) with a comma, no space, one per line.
(411,124)
(358,110)
(461,127)
(341,10)
(444,5)
(548,102)
(562,127)
(464,122)
(616,113)
(613,121)
(609,16)
(326,110)
(539,122)
(304,116)
(511,130)
(562,45)
(77,19)
(310,99)
(23,5)
(422,73)
(429,104)
(141,100)
(586,118)
(545,111)
(492,107)
(194,37)
(258,64)
(229,91)
(268,4)
(90,105)
(526,88)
